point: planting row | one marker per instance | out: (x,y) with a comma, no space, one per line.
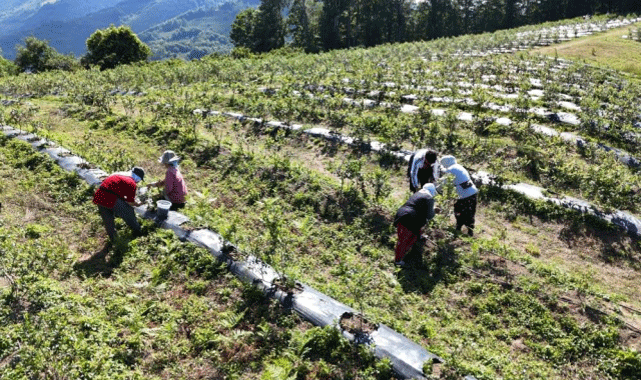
(408,358)
(622,219)
(510,41)
(148,308)
(395,135)
(267,180)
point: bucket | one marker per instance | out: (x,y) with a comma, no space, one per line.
(163,208)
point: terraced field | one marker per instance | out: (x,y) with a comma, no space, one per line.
(543,291)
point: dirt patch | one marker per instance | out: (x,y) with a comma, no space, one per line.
(518,346)
(356,324)
(287,286)
(608,259)
(4,283)
(580,253)
(86,165)
(96,264)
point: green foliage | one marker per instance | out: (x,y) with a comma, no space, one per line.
(242,32)
(37,56)
(260,30)
(115,46)
(241,52)
(303,28)
(269,30)
(624,364)
(325,343)
(170,307)
(7,67)
(33,231)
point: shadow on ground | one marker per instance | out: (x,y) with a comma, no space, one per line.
(613,246)
(102,263)
(429,264)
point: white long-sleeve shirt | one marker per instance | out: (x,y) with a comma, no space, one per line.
(461,176)
(419,161)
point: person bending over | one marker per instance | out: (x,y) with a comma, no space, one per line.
(465,206)
(116,196)
(410,219)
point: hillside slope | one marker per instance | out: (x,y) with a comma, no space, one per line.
(18,15)
(67,25)
(539,292)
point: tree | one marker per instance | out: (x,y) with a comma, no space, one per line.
(242,29)
(6,67)
(35,56)
(260,30)
(270,27)
(510,15)
(115,46)
(490,16)
(332,19)
(300,27)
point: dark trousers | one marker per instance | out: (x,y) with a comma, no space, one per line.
(176,206)
(122,210)
(464,211)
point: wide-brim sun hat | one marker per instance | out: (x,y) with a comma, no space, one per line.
(168,157)
(447,161)
(430,188)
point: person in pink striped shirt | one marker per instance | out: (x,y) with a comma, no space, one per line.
(174,185)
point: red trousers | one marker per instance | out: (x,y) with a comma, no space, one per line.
(406,240)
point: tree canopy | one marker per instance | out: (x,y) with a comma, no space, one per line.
(335,24)
(260,30)
(115,46)
(6,67)
(37,56)
(242,29)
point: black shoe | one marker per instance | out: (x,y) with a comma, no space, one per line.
(470,232)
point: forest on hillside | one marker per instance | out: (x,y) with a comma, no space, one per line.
(319,25)
(334,24)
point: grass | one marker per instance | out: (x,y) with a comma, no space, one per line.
(330,250)
(520,299)
(150,307)
(606,49)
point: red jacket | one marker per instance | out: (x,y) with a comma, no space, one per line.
(113,187)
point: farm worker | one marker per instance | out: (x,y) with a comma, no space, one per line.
(465,206)
(423,168)
(410,219)
(116,196)
(175,188)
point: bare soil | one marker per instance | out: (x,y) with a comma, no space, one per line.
(356,324)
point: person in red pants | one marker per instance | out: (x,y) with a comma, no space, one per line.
(116,196)
(410,219)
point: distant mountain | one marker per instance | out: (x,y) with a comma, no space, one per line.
(16,15)
(195,33)
(172,28)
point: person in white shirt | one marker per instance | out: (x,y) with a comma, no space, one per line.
(423,168)
(465,206)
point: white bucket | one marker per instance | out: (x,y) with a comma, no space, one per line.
(163,208)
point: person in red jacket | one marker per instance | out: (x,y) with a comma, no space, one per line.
(116,196)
